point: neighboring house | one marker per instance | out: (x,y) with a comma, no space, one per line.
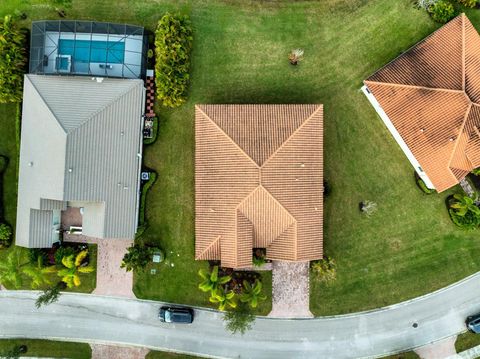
(429,98)
(81,147)
(258,182)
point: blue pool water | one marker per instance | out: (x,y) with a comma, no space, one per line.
(112,52)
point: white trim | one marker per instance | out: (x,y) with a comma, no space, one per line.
(397,137)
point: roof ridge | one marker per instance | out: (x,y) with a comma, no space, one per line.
(294,223)
(209,246)
(413,86)
(226,135)
(103,108)
(320,107)
(460,132)
(29,76)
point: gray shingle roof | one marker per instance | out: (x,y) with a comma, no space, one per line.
(81,141)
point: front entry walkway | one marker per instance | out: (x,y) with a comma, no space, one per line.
(111,279)
(290,290)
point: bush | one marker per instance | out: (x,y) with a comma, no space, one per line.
(476,171)
(62,252)
(442,11)
(468,3)
(463,212)
(424,187)
(13,60)
(173,43)
(138,257)
(5,235)
(325,270)
(142,222)
(3,163)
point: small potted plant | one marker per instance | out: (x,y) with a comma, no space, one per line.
(295,56)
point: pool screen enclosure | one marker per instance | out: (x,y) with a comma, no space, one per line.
(88,48)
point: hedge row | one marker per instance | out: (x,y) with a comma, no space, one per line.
(173,43)
(13,60)
(142,222)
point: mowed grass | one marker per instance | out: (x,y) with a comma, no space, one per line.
(408,247)
(48,348)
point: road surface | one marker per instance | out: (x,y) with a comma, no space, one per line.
(110,320)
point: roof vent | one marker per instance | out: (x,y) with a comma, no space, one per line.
(119,184)
(302,164)
(296,179)
(30,164)
(422,130)
(452,139)
(125,187)
(122,133)
(99,79)
(70,170)
(212,210)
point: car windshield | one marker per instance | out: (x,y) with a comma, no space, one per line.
(167,315)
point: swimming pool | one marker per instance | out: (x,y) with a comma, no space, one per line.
(112,52)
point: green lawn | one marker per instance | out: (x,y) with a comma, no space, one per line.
(467,341)
(48,348)
(408,248)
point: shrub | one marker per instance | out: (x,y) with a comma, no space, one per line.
(142,222)
(442,11)
(468,3)
(138,256)
(325,270)
(62,252)
(368,207)
(295,56)
(463,212)
(5,235)
(173,43)
(476,171)
(13,60)
(425,4)
(424,187)
(3,163)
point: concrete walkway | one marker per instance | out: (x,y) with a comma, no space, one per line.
(111,279)
(290,290)
(100,351)
(438,350)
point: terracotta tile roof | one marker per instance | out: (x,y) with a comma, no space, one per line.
(258,182)
(431,94)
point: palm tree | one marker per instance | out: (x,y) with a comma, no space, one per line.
(70,274)
(211,281)
(38,273)
(464,204)
(10,273)
(224,298)
(252,294)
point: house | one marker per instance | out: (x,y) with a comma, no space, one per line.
(81,136)
(429,99)
(258,182)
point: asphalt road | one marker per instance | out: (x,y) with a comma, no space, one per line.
(109,320)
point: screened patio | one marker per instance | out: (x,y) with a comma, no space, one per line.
(88,48)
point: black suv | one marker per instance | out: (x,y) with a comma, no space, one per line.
(176,315)
(473,323)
